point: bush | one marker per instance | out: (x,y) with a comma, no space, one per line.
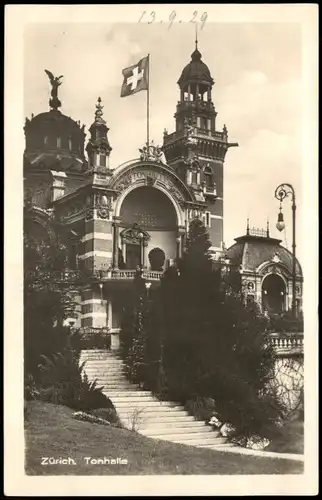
(109,414)
(63,381)
(201,408)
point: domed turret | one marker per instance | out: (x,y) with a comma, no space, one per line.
(53,139)
(196,72)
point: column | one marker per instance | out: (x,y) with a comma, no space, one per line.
(115,260)
(124,251)
(182,95)
(96,243)
(197,91)
(189,92)
(93,308)
(58,186)
(209,95)
(179,240)
(144,244)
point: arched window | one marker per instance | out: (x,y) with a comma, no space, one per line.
(208,176)
(70,144)
(58,142)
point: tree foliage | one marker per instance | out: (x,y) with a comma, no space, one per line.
(211,344)
(46,301)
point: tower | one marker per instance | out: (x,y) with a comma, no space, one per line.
(196,150)
(98,147)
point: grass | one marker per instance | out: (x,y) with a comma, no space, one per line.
(291,439)
(50,431)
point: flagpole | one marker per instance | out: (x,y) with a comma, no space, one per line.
(148,105)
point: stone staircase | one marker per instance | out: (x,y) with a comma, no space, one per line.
(141,411)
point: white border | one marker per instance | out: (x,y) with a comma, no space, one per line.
(16,482)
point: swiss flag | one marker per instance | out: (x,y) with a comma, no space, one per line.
(136,78)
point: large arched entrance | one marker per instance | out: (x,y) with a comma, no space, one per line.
(273,294)
(150,210)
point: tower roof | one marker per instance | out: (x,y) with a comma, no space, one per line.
(254,249)
(53,138)
(196,70)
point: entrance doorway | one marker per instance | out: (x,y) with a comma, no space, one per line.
(273,294)
(133,255)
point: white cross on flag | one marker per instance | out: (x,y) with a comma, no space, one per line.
(136,78)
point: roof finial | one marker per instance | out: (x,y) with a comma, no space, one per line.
(99,112)
(267,228)
(55,82)
(196,41)
(247,228)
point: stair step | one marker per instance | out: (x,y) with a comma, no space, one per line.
(117,387)
(106,378)
(144,404)
(164,420)
(164,425)
(135,399)
(186,436)
(154,409)
(218,445)
(182,428)
(128,394)
(200,441)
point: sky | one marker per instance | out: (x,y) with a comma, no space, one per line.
(258,94)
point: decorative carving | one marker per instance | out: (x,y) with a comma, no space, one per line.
(150,181)
(150,152)
(135,235)
(103,213)
(276,258)
(151,178)
(55,83)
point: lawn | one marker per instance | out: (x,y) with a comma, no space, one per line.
(291,439)
(50,431)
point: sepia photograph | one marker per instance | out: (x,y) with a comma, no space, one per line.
(164,226)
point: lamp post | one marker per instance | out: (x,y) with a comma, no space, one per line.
(281,192)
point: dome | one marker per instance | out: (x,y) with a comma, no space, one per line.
(251,252)
(53,135)
(196,70)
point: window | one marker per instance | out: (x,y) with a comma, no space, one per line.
(207,219)
(58,142)
(46,139)
(102,160)
(70,144)
(72,256)
(208,176)
(203,123)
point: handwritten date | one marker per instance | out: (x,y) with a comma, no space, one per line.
(151,17)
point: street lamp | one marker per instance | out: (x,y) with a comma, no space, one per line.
(281,192)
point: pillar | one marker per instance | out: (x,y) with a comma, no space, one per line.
(144,245)
(94,308)
(115,261)
(96,243)
(58,186)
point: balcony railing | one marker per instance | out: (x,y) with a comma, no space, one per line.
(288,344)
(126,274)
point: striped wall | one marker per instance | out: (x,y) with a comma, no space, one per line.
(96,245)
(94,308)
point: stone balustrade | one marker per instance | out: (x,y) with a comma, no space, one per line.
(292,343)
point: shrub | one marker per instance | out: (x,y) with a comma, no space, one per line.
(109,414)
(201,408)
(63,381)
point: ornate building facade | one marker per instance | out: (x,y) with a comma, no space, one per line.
(113,220)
